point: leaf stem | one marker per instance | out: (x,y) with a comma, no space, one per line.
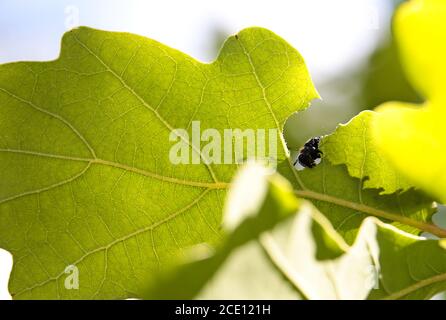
(427,227)
(418,285)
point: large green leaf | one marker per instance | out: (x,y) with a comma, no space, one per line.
(271,254)
(85,176)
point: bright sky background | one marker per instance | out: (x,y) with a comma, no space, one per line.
(332,35)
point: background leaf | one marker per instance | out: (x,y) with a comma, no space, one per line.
(354,145)
(414,141)
(420,29)
(411,136)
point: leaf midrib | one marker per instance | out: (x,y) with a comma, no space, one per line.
(416,286)
(91,161)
